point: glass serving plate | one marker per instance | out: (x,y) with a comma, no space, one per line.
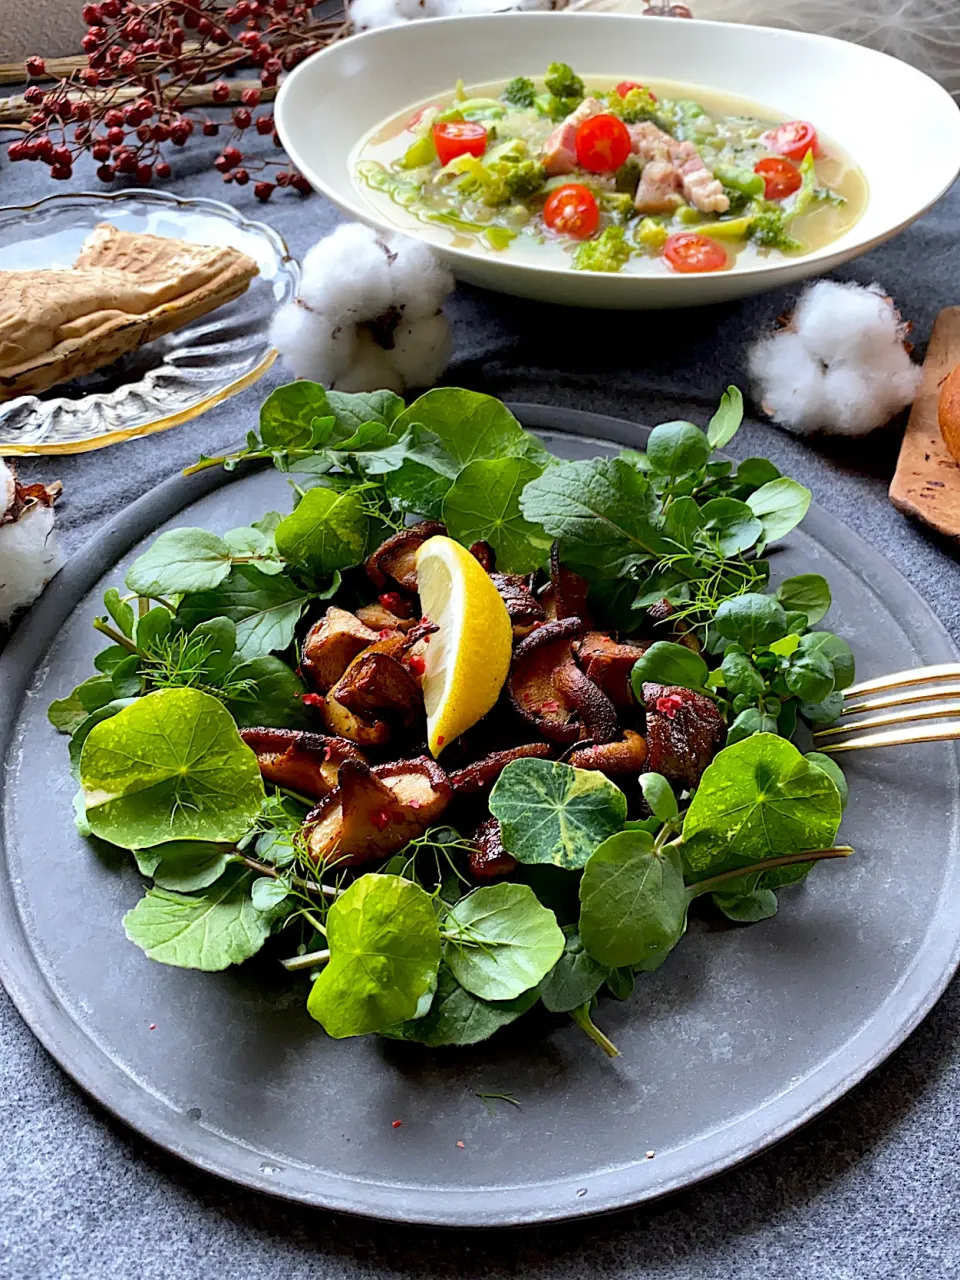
(165,382)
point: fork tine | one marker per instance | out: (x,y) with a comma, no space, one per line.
(949,732)
(899,679)
(926,693)
(904,716)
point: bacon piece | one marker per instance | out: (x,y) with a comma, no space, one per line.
(673,171)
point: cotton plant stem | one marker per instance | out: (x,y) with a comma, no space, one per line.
(308,961)
(770,864)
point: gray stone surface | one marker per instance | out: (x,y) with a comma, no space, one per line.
(869,1190)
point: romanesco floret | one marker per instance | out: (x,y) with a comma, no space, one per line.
(520,92)
(609,252)
(651,234)
(769,230)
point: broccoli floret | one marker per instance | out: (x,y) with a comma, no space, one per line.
(619,203)
(562,83)
(627,177)
(609,252)
(520,92)
(769,230)
(639,104)
(513,180)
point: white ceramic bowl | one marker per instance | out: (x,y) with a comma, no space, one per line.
(899,125)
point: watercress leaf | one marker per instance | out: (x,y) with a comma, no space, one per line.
(268,892)
(757,799)
(210,930)
(171,766)
(152,629)
(457,1017)
(787,646)
(554,813)
(125,677)
(633,905)
(780,505)
(326,531)
(796,622)
(659,796)
(682,520)
(787,719)
(677,449)
(668,663)
(832,770)
(108,659)
(749,722)
(265,609)
(256,544)
(274,700)
(470,425)
(823,712)
(82,730)
(725,423)
(806,593)
(483,505)
(809,676)
(501,941)
(384,954)
(370,438)
(353,409)
(747,908)
(67,714)
(755,472)
(121,611)
(621,983)
(423,473)
(183,866)
(740,675)
(267,524)
(836,651)
(287,414)
(574,979)
(180,561)
(752,619)
(604,510)
(731,523)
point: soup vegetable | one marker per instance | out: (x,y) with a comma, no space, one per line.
(471,728)
(615,176)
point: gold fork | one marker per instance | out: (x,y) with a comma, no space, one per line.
(905,698)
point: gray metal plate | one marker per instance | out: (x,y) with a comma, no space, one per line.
(743,1036)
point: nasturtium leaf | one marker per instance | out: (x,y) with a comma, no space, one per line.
(749,722)
(633,904)
(725,423)
(80,816)
(184,866)
(471,425)
(483,505)
(668,663)
(384,953)
(171,766)
(806,593)
(273,698)
(552,812)
(659,796)
(353,409)
(780,505)
(621,983)
(747,908)
(574,979)
(180,561)
(809,676)
(417,472)
(80,734)
(325,531)
(256,546)
(265,609)
(121,611)
(501,941)
(457,1017)
(287,414)
(731,523)
(210,930)
(677,449)
(604,510)
(758,799)
(740,675)
(832,770)
(836,651)
(753,620)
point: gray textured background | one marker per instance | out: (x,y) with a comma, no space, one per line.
(869,1190)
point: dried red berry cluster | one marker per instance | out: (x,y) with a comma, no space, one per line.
(137,94)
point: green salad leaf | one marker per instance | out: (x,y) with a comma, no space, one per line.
(779,505)
(668,663)
(501,941)
(184,865)
(576,977)
(265,609)
(633,903)
(483,505)
(325,531)
(457,1017)
(806,593)
(178,561)
(725,423)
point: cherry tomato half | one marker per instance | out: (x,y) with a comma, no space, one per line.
(688,252)
(454,138)
(418,116)
(572,210)
(603,144)
(793,139)
(780,178)
(624,87)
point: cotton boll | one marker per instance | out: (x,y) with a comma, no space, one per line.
(422,349)
(419,280)
(8,488)
(790,382)
(845,321)
(29,557)
(372,369)
(347,275)
(367,14)
(312,345)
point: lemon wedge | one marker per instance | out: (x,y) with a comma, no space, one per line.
(467,660)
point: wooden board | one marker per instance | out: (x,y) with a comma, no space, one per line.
(927,480)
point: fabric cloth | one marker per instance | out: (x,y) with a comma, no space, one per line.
(868,1190)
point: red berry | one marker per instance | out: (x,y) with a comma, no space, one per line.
(81,133)
(180,132)
(112,117)
(145,108)
(131,114)
(242,117)
(61,171)
(222,165)
(232,157)
(299,183)
(105,173)
(33,94)
(228,177)
(273,66)
(136,32)
(267,79)
(232,15)
(163,169)
(110,8)
(43,147)
(220,37)
(250,97)
(18,151)
(264,125)
(37,117)
(282,178)
(127,61)
(35,66)
(115,137)
(160,132)
(101,151)
(81,111)
(241,176)
(263,191)
(144,174)
(191,19)
(90,13)
(144,132)
(220,91)
(62,156)
(249,39)
(204,26)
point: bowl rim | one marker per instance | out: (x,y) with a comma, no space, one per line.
(823,259)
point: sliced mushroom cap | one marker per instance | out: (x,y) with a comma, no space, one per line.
(483,552)
(629,755)
(569,590)
(331,645)
(483,773)
(532,682)
(524,609)
(608,663)
(376,812)
(662,616)
(684,732)
(395,561)
(379,618)
(300,761)
(488,859)
(342,721)
(377,685)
